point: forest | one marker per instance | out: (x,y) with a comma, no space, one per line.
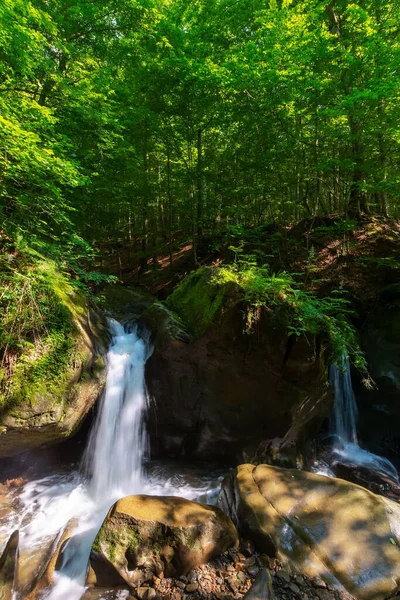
(153,123)
(199,299)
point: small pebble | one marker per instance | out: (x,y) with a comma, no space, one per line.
(180,584)
(191,587)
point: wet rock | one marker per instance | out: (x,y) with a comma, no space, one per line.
(176,533)
(308,521)
(45,577)
(9,568)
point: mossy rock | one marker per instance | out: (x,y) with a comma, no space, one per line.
(53,381)
(161,533)
(134,304)
(200,299)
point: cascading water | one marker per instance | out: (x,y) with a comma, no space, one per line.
(112,468)
(343,426)
(343,423)
(114,456)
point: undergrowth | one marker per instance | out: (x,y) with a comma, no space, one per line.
(38,313)
(301,311)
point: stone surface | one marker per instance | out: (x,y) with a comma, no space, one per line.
(44,420)
(9,568)
(34,588)
(143,531)
(261,588)
(226,391)
(321,527)
(379,419)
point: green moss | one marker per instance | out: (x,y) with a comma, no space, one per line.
(299,310)
(199,298)
(116,538)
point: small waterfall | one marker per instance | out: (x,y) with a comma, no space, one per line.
(343,422)
(343,426)
(114,456)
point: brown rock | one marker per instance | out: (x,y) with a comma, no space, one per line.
(45,577)
(146,593)
(309,521)
(261,588)
(224,374)
(173,532)
(191,587)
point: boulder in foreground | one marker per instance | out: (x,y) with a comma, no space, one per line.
(162,534)
(321,527)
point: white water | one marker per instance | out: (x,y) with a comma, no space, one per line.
(344,413)
(344,426)
(113,468)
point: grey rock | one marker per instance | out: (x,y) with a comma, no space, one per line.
(261,588)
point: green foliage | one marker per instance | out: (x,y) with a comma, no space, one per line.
(300,311)
(38,311)
(388,262)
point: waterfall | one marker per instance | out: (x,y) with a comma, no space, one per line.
(343,426)
(114,456)
(343,422)
(112,468)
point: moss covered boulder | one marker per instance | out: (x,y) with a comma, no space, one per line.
(321,527)
(159,534)
(52,347)
(226,389)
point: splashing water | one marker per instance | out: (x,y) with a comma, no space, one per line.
(113,467)
(116,446)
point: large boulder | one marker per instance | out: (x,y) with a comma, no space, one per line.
(46,411)
(227,390)
(321,527)
(162,534)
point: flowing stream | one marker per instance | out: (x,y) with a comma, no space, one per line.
(114,466)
